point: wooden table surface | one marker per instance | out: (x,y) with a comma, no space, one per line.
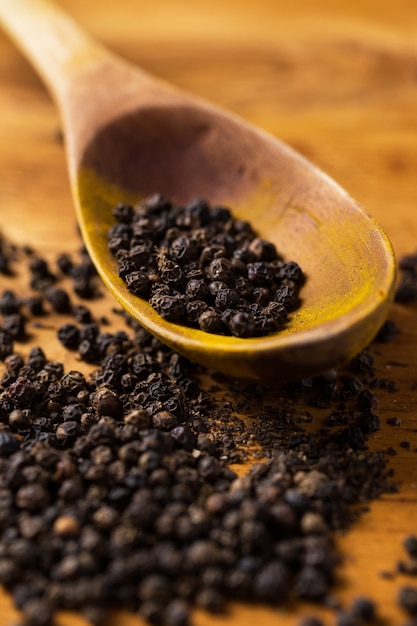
(338,81)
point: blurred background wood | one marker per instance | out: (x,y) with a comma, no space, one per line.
(337,82)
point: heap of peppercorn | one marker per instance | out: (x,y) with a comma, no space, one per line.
(199,266)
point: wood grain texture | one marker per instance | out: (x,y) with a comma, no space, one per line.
(337,82)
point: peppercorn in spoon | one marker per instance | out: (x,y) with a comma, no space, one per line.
(129,135)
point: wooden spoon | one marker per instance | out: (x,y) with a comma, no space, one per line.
(129,134)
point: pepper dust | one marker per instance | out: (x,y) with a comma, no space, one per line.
(199,266)
(115,486)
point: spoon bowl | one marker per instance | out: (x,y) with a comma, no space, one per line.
(139,135)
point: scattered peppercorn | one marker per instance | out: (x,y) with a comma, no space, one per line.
(364,610)
(406,291)
(410,545)
(407,598)
(115,487)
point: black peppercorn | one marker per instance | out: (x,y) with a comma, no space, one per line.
(123,213)
(34,304)
(9,303)
(19,420)
(69,336)
(260,273)
(407,598)
(8,443)
(58,298)
(210,321)
(137,282)
(271,582)
(14,325)
(410,545)
(177,613)
(364,609)
(22,392)
(171,308)
(6,345)
(32,497)
(241,324)
(37,612)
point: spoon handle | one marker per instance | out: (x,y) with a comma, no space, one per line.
(55,45)
(90,84)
